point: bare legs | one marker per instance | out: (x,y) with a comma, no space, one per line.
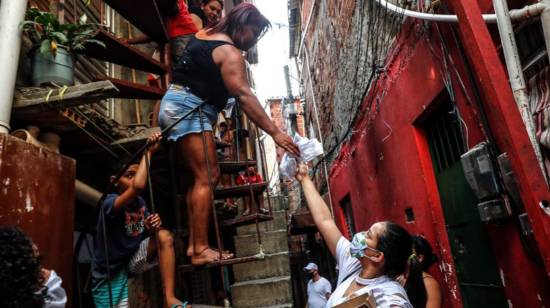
(258,199)
(191,154)
(167,262)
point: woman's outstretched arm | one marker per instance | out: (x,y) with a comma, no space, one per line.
(319,210)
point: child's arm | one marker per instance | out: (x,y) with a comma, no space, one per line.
(153,222)
(140,178)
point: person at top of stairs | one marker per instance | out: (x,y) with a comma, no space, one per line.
(247,177)
(130,249)
(208,12)
(213,69)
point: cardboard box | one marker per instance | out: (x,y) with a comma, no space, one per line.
(363,301)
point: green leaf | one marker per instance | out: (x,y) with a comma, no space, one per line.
(45,47)
(100,43)
(88,2)
(59,37)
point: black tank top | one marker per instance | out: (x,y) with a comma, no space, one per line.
(197,70)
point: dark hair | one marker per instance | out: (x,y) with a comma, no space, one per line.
(242,15)
(205,2)
(118,164)
(20,276)
(223,124)
(396,244)
(423,247)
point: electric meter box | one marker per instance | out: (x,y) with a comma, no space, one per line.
(494,210)
(480,172)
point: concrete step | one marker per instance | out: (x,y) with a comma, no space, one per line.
(274,265)
(272,242)
(277,224)
(278,203)
(262,292)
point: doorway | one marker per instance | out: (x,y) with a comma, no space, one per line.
(475,263)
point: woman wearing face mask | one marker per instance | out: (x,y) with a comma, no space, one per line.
(213,69)
(371,262)
(423,250)
(207,13)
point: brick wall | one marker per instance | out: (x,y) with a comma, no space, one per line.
(337,42)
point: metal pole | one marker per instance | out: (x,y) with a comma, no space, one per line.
(290,102)
(517,80)
(12,12)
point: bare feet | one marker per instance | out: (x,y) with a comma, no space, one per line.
(191,250)
(209,255)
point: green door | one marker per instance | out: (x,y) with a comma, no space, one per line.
(475,264)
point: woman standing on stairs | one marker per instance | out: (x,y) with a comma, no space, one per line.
(212,68)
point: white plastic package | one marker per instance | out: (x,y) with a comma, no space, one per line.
(309,149)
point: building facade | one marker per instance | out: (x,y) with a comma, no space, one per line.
(397,106)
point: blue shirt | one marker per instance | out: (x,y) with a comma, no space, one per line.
(125,231)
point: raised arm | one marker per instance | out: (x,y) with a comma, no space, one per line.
(233,69)
(319,210)
(139,178)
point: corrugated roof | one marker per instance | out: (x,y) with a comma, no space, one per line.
(293,16)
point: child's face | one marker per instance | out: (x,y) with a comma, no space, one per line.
(126,180)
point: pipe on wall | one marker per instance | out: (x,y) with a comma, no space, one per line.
(12,12)
(517,80)
(527,12)
(86,194)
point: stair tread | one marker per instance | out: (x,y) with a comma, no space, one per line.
(221,145)
(121,53)
(244,220)
(144,15)
(234,166)
(191,268)
(132,90)
(240,191)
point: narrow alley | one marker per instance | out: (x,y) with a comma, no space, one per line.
(274,154)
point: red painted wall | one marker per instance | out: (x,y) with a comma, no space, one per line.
(386,168)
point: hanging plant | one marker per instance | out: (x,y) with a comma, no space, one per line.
(46,30)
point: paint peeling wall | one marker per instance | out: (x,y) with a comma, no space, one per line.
(37,193)
(385,166)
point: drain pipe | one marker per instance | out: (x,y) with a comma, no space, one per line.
(527,12)
(517,80)
(12,12)
(86,194)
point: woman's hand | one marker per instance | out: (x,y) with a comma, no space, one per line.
(302,172)
(283,140)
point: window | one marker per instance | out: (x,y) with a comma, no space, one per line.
(347,209)
(531,48)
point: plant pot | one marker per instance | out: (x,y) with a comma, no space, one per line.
(47,68)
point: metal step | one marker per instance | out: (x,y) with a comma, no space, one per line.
(134,90)
(240,191)
(222,145)
(120,53)
(191,268)
(232,167)
(244,221)
(144,15)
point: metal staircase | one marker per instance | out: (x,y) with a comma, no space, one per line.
(144,14)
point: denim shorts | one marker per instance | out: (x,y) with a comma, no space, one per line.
(175,104)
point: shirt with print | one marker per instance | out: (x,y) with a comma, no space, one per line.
(125,230)
(317,293)
(243,179)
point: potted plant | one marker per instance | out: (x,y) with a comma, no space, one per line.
(54,56)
